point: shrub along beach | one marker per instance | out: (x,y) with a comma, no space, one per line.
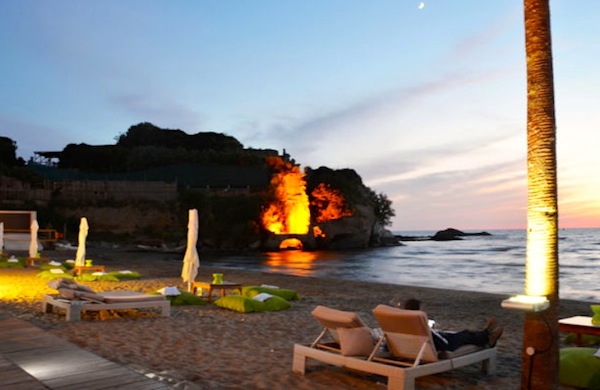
(208,347)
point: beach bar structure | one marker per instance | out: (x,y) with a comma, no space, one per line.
(17,229)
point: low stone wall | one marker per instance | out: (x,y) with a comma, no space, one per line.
(128,219)
(114,190)
(14,191)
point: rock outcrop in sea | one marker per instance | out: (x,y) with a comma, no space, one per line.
(448,234)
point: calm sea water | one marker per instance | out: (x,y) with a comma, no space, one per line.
(494,264)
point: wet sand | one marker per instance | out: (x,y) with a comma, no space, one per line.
(206,347)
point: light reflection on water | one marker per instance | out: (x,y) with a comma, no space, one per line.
(494,264)
(297,263)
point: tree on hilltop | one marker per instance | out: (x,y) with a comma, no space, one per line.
(8,152)
(94,158)
(147,134)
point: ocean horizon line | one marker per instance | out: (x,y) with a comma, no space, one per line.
(470,230)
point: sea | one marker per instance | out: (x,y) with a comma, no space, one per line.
(493,264)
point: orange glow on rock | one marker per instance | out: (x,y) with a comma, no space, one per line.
(318,232)
(291,243)
(329,203)
(289,212)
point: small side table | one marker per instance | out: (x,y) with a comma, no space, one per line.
(578,325)
(30,261)
(210,287)
(78,269)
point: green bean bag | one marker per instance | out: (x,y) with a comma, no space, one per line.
(287,294)
(244,304)
(579,368)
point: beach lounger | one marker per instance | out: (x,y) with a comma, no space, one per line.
(410,351)
(338,324)
(75,298)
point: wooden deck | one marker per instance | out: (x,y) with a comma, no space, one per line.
(14,378)
(31,359)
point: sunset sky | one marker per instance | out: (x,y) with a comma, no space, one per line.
(426,103)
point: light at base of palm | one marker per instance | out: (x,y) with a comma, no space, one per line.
(539,276)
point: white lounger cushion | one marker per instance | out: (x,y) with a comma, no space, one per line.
(129,296)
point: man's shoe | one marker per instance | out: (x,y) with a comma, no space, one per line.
(494,336)
(491,324)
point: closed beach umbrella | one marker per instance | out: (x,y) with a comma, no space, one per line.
(33,244)
(83,232)
(191,261)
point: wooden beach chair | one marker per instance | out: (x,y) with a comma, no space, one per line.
(75,298)
(338,325)
(411,351)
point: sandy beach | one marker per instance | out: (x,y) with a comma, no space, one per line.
(206,347)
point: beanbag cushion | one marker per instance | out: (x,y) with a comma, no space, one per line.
(596,316)
(238,303)
(113,276)
(185,298)
(248,305)
(55,273)
(275,303)
(579,368)
(12,262)
(93,277)
(287,294)
(587,340)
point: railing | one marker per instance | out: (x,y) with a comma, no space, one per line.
(44,235)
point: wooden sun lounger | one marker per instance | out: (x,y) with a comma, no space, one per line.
(112,301)
(411,347)
(398,377)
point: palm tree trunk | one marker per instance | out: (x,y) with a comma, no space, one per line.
(540,339)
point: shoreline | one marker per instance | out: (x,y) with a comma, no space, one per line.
(206,347)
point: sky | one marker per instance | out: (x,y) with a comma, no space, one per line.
(426,101)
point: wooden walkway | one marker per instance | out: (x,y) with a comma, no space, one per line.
(31,359)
